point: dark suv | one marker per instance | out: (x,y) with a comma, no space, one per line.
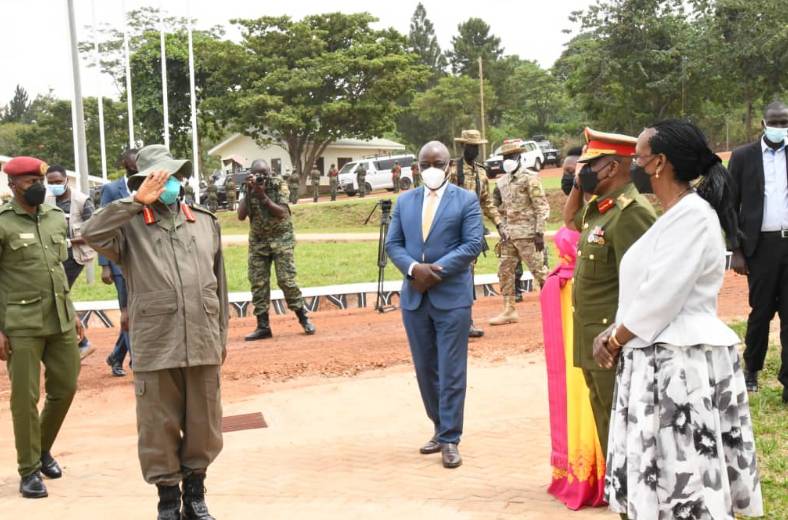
(551,154)
(238,178)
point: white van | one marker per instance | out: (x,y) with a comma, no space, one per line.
(378,173)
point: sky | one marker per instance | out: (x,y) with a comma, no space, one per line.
(34,41)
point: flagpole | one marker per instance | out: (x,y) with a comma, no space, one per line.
(165,108)
(195,180)
(78,112)
(102,142)
(129,103)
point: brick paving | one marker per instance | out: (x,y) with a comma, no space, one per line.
(335,448)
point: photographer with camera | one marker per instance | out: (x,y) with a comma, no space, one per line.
(264,199)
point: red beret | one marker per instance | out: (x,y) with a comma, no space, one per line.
(25,166)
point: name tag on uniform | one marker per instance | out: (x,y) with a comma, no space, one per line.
(27,235)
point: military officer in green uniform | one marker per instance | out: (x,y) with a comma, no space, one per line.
(361,179)
(271,242)
(612,219)
(333,181)
(37,321)
(293,185)
(230,193)
(314,177)
(212,197)
(469,174)
(172,261)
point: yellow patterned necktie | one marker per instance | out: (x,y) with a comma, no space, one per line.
(429,213)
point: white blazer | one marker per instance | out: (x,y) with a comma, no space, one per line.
(671,277)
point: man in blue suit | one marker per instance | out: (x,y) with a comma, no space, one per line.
(436,233)
(111,273)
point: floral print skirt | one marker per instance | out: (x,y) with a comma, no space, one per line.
(681,444)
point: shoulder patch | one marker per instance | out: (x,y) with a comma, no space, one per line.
(623,201)
(202,209)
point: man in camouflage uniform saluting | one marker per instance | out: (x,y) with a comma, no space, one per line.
(37,321)
(469,174)
(523,206)
(271,241)
(613,219)
(171,255)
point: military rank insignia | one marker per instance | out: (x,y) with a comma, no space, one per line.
(605,205)
(597,236)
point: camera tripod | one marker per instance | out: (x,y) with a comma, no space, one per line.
(381,303)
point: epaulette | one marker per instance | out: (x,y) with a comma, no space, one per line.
(623,201)
(5,207)
(202,209)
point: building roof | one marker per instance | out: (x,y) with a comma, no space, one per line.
(377,143)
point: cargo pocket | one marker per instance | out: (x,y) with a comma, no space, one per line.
(23,312)
(139,388)
(24,249)
(60,248)
(211,306)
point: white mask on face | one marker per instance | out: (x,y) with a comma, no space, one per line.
(511,165)
(433,178)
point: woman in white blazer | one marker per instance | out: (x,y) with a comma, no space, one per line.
(681,442)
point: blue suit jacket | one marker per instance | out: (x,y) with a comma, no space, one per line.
(453,242)
(110,193)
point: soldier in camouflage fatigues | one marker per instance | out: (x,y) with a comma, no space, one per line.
(271,241)
(469,174)
(524,209)
(314,176)
(293,182)
(333,181)
(361,179)
(212,197)
(229,192)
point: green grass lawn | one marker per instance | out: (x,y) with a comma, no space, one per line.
(770,418)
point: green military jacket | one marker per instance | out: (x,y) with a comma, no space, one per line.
(34,293)
(265,228)
(608,227)
(174,270)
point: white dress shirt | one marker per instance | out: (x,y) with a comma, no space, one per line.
(775,193)
(671,277)
(439,193)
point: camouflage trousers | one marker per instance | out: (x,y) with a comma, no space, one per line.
(294,195)
(362,186)
(315,191)
(512,252)
(332,185)
(261,256)
(395,182)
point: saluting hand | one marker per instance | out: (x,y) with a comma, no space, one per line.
(152,187)
(5,347)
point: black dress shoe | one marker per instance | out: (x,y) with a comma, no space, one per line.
(432,446)
(475,332)
(751,381)
(451,455)
(50,467)
(32,486)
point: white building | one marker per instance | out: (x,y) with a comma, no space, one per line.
(73,179)
(243,150)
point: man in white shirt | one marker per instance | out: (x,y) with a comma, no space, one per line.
(760,172)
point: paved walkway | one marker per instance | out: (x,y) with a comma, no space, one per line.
(335,448)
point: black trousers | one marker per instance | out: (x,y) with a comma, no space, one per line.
(768,282)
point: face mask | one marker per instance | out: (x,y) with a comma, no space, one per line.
(56,189)
(470,153)
(433,178)
(172,189)
(775,135)
(641,178)
(35,194)
(567,182)
(511,165)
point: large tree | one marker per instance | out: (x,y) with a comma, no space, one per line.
(18,109)
(422,41)
(473,40)
(306,83)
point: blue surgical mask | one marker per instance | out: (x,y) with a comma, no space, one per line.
(775,135)
(172,189)
(56,190)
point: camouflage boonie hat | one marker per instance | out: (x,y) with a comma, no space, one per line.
(512,148)
(470,137)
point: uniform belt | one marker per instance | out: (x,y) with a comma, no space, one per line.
(775,234)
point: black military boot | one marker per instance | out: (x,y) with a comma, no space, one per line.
(303,319)
(169,502)
(32,486)
(194,507)
(263,330)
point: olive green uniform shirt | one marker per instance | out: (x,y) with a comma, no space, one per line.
(174,270)
(605,235)
(34,293)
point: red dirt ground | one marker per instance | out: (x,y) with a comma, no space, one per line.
(351,341)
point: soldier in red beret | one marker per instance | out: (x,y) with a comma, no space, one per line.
(37,321)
